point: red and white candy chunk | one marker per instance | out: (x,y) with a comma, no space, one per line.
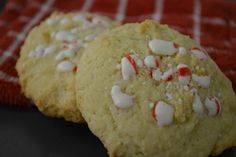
(168,75)
(151,62)
(213,106)
(197,104)
(196,52)
(66,66)
(203,81)
(120,99)
(162,47)
(129,66)
(163,113)
(183,73)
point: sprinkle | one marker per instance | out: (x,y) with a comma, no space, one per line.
(120,99)
(151,62)
(65,54)
(196,52)
(156,74)
(65,66)
(90,37)
(162,47)
(182,51)
(203,81)
(183,73)
(128,67)
(213,106)
(163,113)
(197,105)
(168,75)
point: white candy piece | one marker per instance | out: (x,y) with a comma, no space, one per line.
(64,21)
(121,100)
(74,30)
(65,66)
(90,37)
(182,51)
(163,113)
(61,36)
(78,18)
(76,46)
(40,47)
(203,81)
(65,54)
(137,60)
(197,105)
(156,74)
(50,49)
(213,106)
(127,68)
(184,79)
(53,20)
(196,52)
(65,36)
(162,47)
(150,62)
(168,75)
(99,21)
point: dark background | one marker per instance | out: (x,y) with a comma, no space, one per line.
(24,132)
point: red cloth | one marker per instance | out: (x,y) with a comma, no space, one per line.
(211,22)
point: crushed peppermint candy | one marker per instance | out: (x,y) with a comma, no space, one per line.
(183,73)
(151,62)
(90,37)
(53,20)
(198,53)
(65,21)
(182,51)
(78,18)
(66,36)
(42,50)
(65,66)
(203,81)
(65,54)
(50,49)
(129,66)
(168,75)
(162,47)
(163,113)
(120,99)
(197,104)
(156,74)
(213,106)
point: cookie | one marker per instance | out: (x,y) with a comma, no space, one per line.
(46,66)
(151,91)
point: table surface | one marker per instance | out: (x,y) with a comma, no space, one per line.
(26,133)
